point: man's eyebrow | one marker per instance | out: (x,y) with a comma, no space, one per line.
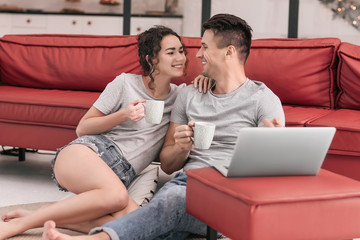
(204,44)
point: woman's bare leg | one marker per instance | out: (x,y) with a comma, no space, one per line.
(19,212)
(50,233)
(99,193)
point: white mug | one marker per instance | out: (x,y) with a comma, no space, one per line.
(203,134)
(154,111)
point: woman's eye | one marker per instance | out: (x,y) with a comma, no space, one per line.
(170,53)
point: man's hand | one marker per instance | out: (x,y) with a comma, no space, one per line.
(276,122)
(182,136)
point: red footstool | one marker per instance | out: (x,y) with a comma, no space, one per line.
(321,207)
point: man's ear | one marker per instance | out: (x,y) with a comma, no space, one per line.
(231,51)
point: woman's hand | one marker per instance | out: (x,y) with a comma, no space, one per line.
(135,110)
(202,83)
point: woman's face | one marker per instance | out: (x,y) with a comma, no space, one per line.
(171,58)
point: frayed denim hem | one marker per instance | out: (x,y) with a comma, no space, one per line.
(109,231)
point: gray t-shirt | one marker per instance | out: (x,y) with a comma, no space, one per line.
(140,142)
(247,106)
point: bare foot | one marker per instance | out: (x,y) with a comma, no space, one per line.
(15,214)
(50,232)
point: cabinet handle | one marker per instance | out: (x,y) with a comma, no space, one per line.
(74,22)
(28,20)
(89,23)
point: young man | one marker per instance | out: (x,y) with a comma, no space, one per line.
(234,102)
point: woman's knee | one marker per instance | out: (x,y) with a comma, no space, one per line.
(114,199)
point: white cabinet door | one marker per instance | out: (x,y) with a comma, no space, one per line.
(140,24)
(64,24)
(99,25)
(28,23)
(102,25)
(5,24)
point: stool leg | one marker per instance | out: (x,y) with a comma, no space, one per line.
(22,154)
(211,233)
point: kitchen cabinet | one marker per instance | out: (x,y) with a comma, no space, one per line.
(96,24)
(140,24)
(75,24)
(27,23)
(5,23)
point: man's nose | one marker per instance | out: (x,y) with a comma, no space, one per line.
(199,53)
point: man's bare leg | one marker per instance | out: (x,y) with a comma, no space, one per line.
(50,233)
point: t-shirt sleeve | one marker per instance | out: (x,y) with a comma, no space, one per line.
(178,113)
(269,107)
(109,100)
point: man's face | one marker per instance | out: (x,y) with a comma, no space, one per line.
(211,56)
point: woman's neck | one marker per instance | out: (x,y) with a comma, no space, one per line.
(160,88)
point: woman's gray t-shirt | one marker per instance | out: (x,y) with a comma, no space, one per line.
(247,106)
(140,142)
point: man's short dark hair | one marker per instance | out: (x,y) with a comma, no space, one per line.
(231,30)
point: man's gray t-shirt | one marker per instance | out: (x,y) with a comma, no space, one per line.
(140,142)
(247,106)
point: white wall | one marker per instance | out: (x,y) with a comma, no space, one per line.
(317,20)
(269,18)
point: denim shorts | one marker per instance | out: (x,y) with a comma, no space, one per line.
(108,152)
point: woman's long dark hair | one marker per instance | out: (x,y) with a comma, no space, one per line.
(149,46)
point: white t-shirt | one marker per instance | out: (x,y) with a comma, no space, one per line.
(140,142)
(247,106)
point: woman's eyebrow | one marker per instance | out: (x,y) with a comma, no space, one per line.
(173,48)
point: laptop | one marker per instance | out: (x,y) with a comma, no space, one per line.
(288,151)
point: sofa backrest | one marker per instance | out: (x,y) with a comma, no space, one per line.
(75,62)
(299,71)
(348,78)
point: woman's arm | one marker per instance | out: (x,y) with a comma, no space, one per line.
(96,122)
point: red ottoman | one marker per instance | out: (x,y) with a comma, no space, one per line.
(326,206)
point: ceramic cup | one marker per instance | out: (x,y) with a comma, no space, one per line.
(154,111)
(203,134)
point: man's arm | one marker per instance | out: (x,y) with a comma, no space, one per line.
(177,147)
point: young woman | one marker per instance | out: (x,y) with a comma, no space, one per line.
(115,142)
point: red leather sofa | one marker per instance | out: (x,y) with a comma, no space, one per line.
(47,83)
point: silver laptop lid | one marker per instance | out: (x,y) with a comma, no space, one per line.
(280,151)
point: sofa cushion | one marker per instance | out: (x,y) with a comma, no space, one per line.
(56,108)
(143,187)
(299,116)
(349,76)
(299,71)
(76,62)
(347,124)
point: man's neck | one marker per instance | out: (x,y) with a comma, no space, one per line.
(229,83)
